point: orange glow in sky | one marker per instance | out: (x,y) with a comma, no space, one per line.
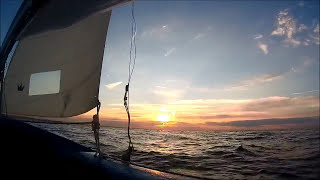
(201,70)
(203,114)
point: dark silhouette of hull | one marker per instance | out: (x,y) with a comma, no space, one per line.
(27,151)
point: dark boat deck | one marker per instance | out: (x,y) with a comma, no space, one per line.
(27,151)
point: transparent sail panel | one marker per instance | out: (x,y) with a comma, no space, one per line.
(44,83)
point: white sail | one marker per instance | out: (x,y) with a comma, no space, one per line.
(55,70)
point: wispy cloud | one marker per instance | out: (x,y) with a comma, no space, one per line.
(305,92)
(159,32)
(169,93)
(262,79)
(315,36)
(199,36)
(243,85)
(316,29)
(222,112)
(258,36)
(307,62)
(263,47)
(170,51)
(258,80)
(268,122)
(230,109)
(113,85)
(268,78)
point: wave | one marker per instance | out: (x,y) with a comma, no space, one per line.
(259,147)
(213,155)
(217,152)
(245,151)
(251,138)
(220,146)
(315,157)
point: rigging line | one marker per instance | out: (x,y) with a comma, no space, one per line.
(133,55)
(132,63)
(4,89)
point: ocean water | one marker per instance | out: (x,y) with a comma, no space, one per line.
(286,154)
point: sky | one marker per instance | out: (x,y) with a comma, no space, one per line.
(213,65)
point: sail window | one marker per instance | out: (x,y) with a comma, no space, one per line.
(44,83)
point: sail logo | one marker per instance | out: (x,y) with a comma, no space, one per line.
(20,87)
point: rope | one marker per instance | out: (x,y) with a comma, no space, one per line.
(126,98)
(132,44)
(98,108)
(96,126)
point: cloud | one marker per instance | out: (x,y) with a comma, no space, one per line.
(291,106)
(258,80)
(113,85)
(267,103)
(221,113)
(157,32)
(305,92)
(315,36)
(198,36)
(316,29)
(168,93)
(286,26)
(170,51)
(292,42)
(223,110)
(169,90)
(263,47)
(264,122)
(258,36)
(206,31)
(307,62)
(235,116)
(294,34)
(306,42)
(277,123)
(302,27)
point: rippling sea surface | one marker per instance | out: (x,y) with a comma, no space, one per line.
(290,154)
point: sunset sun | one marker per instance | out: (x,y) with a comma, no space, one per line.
(163,118)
